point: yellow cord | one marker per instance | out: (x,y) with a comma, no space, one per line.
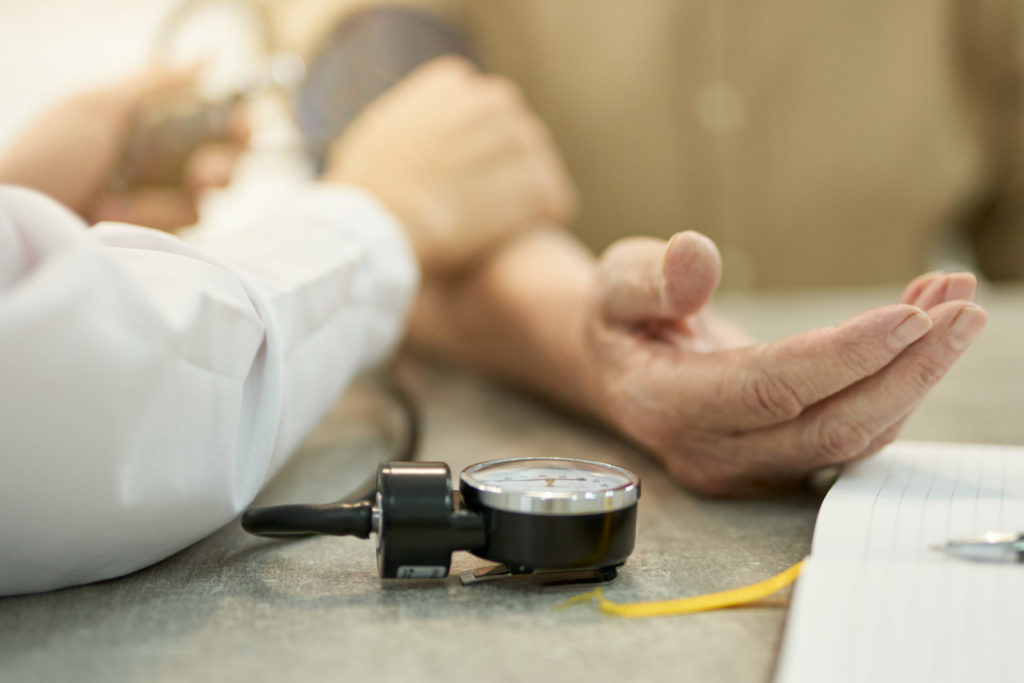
(698,603)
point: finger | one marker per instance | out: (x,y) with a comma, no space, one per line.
(960,286)
(509,139)
(559,200)
(935,288)
(947,287)
(440,74)
(640,278)
(152,207)
(853,422)
(453,65)
(498,91)
(917,286)
(771,384)
(886,437)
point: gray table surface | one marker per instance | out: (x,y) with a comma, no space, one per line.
(234,607)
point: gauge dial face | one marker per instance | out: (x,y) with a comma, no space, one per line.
(550,486)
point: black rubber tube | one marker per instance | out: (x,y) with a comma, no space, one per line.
(351,514)
(334,519)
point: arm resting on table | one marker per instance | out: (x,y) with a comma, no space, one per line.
(150,388)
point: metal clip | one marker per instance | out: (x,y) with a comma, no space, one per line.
(545,577)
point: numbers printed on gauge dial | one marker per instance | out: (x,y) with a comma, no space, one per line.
(550,485)
(561,478)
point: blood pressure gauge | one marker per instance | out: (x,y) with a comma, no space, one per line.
(527,514)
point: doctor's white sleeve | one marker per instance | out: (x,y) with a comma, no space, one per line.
(149,388)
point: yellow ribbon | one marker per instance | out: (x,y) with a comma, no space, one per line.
(698,603)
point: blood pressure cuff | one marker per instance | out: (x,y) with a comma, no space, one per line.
(364,55)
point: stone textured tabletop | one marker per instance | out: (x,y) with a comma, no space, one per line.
(239,608)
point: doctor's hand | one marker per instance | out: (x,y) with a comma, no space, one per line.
(460,160)
(73,153)
(730,417)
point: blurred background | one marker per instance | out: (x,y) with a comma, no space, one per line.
(819,144)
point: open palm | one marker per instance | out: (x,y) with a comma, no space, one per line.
(728,416)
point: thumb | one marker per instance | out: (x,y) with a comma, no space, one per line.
(642,277)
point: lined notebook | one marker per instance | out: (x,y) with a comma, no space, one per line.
(875,603)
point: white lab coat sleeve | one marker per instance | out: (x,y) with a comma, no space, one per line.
(149,388)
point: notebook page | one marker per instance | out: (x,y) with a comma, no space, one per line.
(914,495)
(876,604)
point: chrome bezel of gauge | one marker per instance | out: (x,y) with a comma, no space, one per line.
(620,497)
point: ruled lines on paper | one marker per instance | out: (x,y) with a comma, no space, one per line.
(876,603)
(916,495)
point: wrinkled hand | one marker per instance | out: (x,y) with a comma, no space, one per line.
(729,417)
(73,151)
(458,158)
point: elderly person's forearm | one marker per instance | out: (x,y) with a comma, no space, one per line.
(632,340)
